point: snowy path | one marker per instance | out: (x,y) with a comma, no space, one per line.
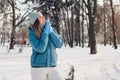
(105,65)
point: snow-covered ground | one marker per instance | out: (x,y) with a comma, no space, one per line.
(105,65)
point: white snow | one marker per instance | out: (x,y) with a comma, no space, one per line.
(105,65)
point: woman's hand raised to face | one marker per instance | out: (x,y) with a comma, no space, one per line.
(47,29)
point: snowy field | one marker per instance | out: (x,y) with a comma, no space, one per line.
(105,65)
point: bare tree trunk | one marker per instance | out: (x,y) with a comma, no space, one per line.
(72,25)
(91,16)
(113,26)
(12,3)
(69,27)
(4,29)
(79,32)
(104,24)
(82,26)
(79,29)
(76,31)
(64,30)
(3,38)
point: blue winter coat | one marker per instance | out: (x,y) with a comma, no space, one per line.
(44,48)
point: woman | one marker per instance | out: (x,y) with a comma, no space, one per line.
(44,41)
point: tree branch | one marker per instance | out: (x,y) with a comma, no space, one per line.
(10,2)
(22,18)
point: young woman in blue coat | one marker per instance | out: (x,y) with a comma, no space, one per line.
(44,41)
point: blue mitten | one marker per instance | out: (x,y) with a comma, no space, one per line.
(47,29)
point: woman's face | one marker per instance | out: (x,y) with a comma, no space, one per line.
(41,20)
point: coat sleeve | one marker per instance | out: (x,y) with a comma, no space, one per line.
(37,44)
(56,39)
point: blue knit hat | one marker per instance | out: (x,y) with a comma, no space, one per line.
(33,16)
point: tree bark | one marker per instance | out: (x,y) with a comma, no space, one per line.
(13,25)
(91,16)
(82,26)
(104,24)
(72,25)
(113,26)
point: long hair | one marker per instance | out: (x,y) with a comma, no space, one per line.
(36,28)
